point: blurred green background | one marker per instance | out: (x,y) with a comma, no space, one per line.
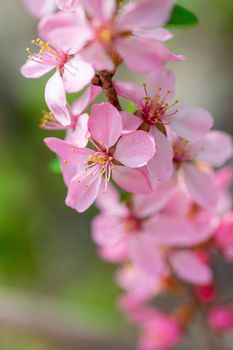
(48,264)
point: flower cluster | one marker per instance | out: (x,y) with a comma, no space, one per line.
(175,215)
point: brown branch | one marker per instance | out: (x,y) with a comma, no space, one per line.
(108,88)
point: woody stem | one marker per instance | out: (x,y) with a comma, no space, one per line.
(105,78)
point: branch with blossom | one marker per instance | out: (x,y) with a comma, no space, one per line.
(175,215)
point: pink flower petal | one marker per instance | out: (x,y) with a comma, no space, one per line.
(117,254)
(85,100)
(83,190)
(72,158)
(151,54)
(135,149)
(130,122)
(160,34)
(34,70)
(68,5)
(145,14)
(161,165)
(108,230)
(55,98)
(132,180)
(109,202)
(215,148)
(145,205)
(139,285)
(77,74)
(68,152)
(130,91)
(191,123)
(146,255)
(95,54)
(201,187)
(172,231)
(102,10)
(66,31)
(163,79)
(39,8)
(105,124)
(189,267)
(79,136)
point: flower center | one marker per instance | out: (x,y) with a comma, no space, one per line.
(132,224)
(105,34)
(100,163)
(155,109)
(182,151)
(47,54)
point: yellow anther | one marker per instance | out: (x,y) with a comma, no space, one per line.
(65,161)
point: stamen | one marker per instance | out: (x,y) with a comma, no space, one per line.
(156,108)
(46,55)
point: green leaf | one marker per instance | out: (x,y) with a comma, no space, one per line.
(182,17)
(54,166)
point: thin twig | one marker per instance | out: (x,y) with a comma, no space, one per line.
(108,88)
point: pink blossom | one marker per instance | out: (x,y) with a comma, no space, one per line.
(146,228)
(220,318)
(156,112)
(193,160)
(160,332)
(224,236)
(140,228)
(86,169)
(112,35)
(72,73)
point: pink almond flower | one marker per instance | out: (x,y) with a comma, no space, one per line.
(149,236)
(151,230)
(161,331)
(193,160)
(224,236)
(72,73)
(133,31)
(116,156)
(157,112)
(134,228)
(220,318)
